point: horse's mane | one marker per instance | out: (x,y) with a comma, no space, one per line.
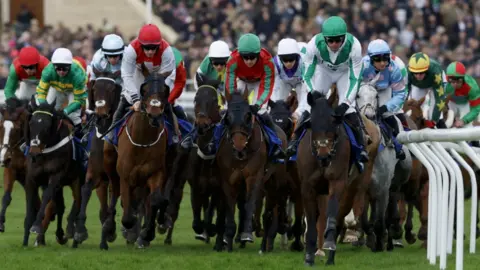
(317,95)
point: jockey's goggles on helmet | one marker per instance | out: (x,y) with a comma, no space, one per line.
(336,39)
(249,56)
(454,78)
(150,47)
(217,61)
(286,58)
(113,55)
(31,67)
(62,67)
(381,57)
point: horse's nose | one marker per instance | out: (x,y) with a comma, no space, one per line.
(100,103)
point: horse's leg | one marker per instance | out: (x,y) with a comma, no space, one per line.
(270,216)
(259,231)
(311,215)
(9,176)
(252,189)
(109,226)
(73,215)
(218,199)
(60,209)
(363,227)
(423,208)
(32,198)
(152,205)
(175,209)
(381,204)
(297,228)
(47,196)
(128,218)
(336,188)
(393,219)
(230,194)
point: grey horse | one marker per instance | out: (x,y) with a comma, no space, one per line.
(389,174)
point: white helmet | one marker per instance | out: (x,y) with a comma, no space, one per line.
(112,45)
(301,45)
(62,56)
(219,49)
(288,46)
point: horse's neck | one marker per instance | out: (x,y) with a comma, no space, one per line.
(140,129)
(60,131)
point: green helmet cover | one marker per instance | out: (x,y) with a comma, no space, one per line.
(249,43)
(334,26)
(456,69)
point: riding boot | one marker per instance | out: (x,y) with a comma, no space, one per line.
(119,113)
(393,126)
(277,151)
(356,126)
(295,140)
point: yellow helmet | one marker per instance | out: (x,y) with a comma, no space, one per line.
(418,63)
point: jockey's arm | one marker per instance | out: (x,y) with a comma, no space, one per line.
(399,91)
(231,75)
(12,83)
(179,84)
(354,71)
(44,84)
(168,62)
(473,100)
(265,89)
(200,76)
(79,94)
(276,86)
(311,62)
(130,92)
(440,96)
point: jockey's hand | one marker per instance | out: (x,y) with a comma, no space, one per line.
(458,123)
(381,110)
(341,109)
(137,106)
(255,108)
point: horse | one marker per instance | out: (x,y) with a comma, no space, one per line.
(241,159)
(281,113)
(388,175)
(50,162)
(103,96)
(141,160)
(11,157)
(323,160)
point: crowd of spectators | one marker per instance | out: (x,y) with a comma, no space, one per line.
(445,30)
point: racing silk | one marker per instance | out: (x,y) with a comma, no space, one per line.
(135,59)
(207,70)
(18,74)
(100,63)
(292,77)
(74,81)
(347,59)
(262,71)
(468,93)
(391,79)
(180,76)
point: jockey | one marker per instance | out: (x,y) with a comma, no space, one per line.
(177,81)
(424,76)
(251,68)
(464,94)
(391,85)
(109,57)
(69,79)
(27,67)
(336,55)
(149,52)
(212,68)
(288,69)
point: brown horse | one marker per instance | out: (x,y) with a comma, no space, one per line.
(50,163)
(141,161)
(104,96)
(323,161)
(241,158)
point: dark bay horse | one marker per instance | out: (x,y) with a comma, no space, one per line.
(103,96)
(323,161)
(142,149)
(51,163)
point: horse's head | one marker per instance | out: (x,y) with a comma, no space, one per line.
(414,110)
(281,114)
(105,93)
(239,120)
(11,130)
(44,124)
(207,110)
(154,94)
(324,126)
(367,99)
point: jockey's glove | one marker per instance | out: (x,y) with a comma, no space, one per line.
(255,108)
(381,110)
(341,109)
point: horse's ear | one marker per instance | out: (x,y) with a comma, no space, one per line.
(96,71)
(33,102)
(333,95)
(310,99)
(271,103)
(167,91)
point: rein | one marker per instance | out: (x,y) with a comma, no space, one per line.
(61,143)
(143,145)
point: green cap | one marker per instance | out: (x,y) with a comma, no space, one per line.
(334,26)
(249,43)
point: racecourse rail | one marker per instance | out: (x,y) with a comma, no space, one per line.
(438,150)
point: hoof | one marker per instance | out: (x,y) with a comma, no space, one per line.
(142,243)
(124,232)
(167,242)
(359,243)
(411,238)
(161,229)
(371,239)
(36,229)
(103,246)
(246,237)
(112,237)
(2,227)
(201,237)
(297,246)
(320,253)
(62,240)
(422,233)
(75,244)
(243,244)
(309,259)
(329,245)
(398,243)
(350,236)
(424,245)
(80,236)
(259,233)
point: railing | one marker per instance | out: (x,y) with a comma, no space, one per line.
(445,183)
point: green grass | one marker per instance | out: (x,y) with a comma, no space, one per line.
(186,252)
